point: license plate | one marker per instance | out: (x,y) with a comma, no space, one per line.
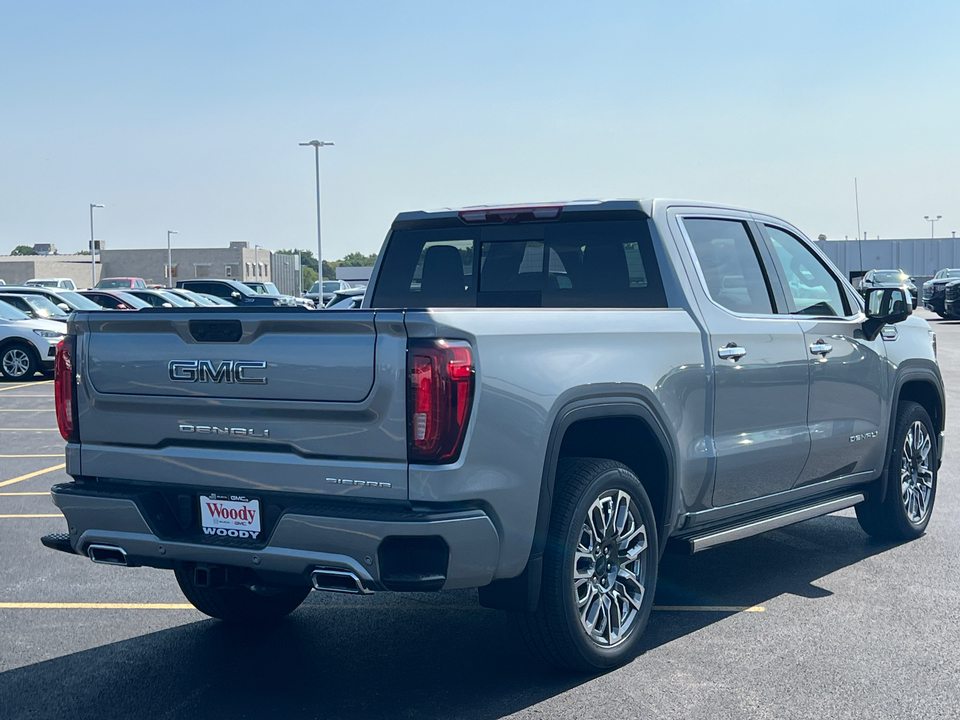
(230,516)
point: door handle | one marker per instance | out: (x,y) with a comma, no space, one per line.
(820,348)
(731,351)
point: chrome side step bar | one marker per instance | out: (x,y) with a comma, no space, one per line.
(718,537)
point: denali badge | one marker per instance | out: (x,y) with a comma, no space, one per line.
(228,371)
(215,430)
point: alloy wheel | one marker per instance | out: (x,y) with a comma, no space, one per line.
(608,575)
(16,362)
(916,472)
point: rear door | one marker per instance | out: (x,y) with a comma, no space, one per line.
(277,400)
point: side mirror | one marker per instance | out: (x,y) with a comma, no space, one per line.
(166,305)
(64,307)
(885,306)
(235,294)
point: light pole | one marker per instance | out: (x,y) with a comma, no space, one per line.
(93,251)
(931,220)
(170,259)
(316,145)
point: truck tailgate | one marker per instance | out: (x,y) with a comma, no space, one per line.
(287,401)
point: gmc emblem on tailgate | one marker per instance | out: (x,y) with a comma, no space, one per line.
(228,371)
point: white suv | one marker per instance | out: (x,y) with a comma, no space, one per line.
(26,346)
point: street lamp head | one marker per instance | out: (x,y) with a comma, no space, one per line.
(93,206)
(316,143)
(172,232)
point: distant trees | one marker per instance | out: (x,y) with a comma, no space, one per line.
(356,259)
(23,250)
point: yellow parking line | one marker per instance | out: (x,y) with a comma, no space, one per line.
(708,608)
(93,606)
(21,494)
(34,474)
(37,515)
(31,386)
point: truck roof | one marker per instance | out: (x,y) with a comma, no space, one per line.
(645,206)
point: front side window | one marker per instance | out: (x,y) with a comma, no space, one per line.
(730,264)
(812,289)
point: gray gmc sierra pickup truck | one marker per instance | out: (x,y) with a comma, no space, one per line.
(533,401)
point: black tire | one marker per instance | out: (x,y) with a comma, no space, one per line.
(18,361)
(241,604)
(911,480)
(558,631)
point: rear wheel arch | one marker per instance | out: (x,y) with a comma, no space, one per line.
(595,427)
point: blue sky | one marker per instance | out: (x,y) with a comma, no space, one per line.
(187,115)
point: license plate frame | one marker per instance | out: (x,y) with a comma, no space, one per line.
(230,516)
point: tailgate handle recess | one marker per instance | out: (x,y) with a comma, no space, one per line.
(216,331)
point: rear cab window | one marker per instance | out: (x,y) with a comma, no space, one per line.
(579,260)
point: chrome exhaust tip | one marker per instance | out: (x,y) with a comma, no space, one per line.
(342,581)
(107,554)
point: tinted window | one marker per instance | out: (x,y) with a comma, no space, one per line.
(107,301)
(730,264)
(812,289)
(210,288)
(8,312)
(570,263)
(77,300)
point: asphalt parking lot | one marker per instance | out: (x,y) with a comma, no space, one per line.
(812,621)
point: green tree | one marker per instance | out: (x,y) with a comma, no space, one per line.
(330,270)
(23,250)
(309,277)
(357,259)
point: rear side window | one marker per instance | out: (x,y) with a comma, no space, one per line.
(730,264)
(572,263)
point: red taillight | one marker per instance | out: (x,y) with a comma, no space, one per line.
(441,392)
(65,389)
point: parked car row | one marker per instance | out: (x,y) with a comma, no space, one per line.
(33,316)
(940,293)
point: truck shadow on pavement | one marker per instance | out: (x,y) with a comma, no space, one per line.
(390,656)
